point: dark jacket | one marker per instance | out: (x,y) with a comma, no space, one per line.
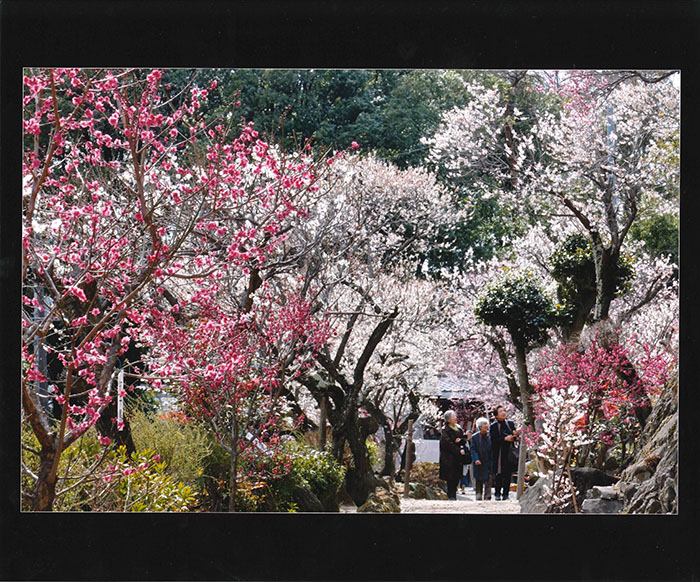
(481,451)
(450,458)
(501,447)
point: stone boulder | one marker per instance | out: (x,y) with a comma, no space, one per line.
(329,501)
(585,478)
(601,506)
(381,501)
(306,500)
(532,500)
(602,499)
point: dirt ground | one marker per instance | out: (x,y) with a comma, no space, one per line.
(466,503)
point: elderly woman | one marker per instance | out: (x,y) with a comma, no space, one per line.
(503,435)
(482,460)
(452,451)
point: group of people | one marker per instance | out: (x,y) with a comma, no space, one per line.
(489,450)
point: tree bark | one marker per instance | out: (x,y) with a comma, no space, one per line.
(45,491)
(389,468)
(108,428)
(526,399)
(360,480)
(322,424)
(233,486)
(407,465)
(524,381)
(585,304)
(606,260)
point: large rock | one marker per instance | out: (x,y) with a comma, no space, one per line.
(417,491)
(650,483)
(585,478)
(601,492)
(602,499)
(601,506)
(329,501)
(306,500)
(532,500)
(381,501)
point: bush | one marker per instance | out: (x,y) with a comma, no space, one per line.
(293,464)
(373,453)
(139,482)
(97,477)
(573,268)
(181,443)
(428,474)
(517,302)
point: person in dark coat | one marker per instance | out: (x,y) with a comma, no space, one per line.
(503,433)
(482,460)
(452,452)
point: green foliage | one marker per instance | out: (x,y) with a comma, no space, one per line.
(93,477)
(319,471)
(183,444)
(480,236)
(517,303)
(305,466)
(386,111)
(659,233)
(214,480)
(148,488)
(373,452)
(573,268)
(250,496)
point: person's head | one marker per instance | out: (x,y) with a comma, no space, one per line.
(500,412)
(451,417)
(482,425)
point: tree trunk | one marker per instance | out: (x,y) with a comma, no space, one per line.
(107,427)
(526,399)
(408,463)
(389,468)
(233,487)
(524,381)
(606,275)
(45,491)
(602,454)
(322,424)
(360,480)
(585,304)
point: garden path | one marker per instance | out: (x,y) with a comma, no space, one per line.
(466,503)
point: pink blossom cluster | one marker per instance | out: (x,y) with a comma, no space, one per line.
(611,383)
(130,198)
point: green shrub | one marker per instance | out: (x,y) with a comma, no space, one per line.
(573,268)
(517,302)
(139,482)
(93,477)
(373,453)
(293,464)
(183,444)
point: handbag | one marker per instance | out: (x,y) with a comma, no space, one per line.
(467,456)
(514,453)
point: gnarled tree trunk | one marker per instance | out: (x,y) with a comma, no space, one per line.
(360,479)
(45,490)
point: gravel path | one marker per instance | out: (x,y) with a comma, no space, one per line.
(466,503)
